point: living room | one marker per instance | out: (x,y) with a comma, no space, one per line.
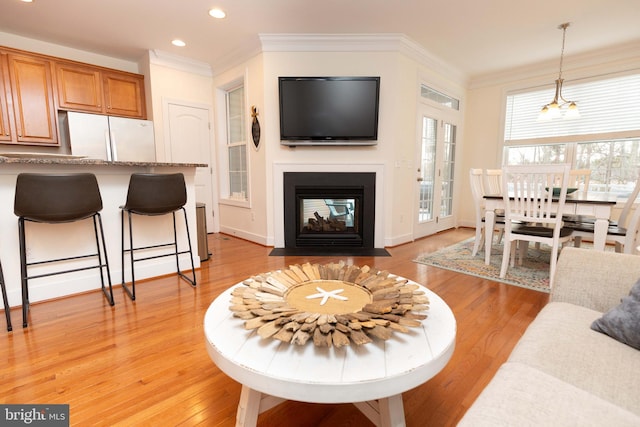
(80,352)
(403,66)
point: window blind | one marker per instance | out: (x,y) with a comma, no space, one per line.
(607,107)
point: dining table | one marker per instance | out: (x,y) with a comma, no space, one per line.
(597,205)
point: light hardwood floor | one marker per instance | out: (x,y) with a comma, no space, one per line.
(145,363)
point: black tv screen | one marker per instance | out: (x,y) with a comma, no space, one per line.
(329,110)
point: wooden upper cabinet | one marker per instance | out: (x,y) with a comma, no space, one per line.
(124,94)
(79,88)
(5,127)
(32,97)
(96,90)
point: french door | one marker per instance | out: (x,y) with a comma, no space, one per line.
(436,156)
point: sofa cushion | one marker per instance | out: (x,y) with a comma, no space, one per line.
(519,395)
(623,322)
(561,343)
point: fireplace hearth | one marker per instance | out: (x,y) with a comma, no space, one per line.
(329,212)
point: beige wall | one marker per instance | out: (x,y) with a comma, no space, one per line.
(166,83)
(44,48)
(249,222)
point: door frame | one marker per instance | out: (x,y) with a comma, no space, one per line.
(441,114)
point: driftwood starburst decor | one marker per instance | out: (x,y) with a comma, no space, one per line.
(330,304)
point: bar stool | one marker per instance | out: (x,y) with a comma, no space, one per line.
(7,309)
(152,194)
(57,199)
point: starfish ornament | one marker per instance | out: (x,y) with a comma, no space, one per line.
(325,295)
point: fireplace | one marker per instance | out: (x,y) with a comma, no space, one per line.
(329,209)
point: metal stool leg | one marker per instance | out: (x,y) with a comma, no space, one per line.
(5,300)
(192,282)
(23,273)
(131,292)
(102,264)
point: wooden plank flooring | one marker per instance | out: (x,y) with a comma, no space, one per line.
(144,363)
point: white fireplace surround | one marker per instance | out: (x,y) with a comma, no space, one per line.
(278,193)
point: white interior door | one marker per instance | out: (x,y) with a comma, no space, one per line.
(436,149)
(189,141)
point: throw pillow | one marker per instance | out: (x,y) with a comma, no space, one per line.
(623,322)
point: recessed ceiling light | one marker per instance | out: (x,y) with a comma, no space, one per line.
(178,42)
(27,1)
(217,13)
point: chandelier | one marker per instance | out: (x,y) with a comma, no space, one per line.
(552,109)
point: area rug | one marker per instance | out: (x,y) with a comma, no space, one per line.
(532,274)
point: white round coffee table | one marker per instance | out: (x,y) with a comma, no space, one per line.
(372,376)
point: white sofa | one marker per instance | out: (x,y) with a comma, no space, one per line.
(561,372)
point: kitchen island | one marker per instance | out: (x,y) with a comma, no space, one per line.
(76,238)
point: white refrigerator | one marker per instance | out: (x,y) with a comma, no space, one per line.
(110,138)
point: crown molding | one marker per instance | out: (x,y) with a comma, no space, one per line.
(613,58)
(165,59)
(387,42)
(238,56)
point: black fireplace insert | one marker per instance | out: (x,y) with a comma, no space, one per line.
(329,209)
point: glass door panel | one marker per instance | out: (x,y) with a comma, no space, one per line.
(435,173)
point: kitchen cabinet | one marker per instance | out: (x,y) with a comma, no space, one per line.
(31,82)
(85,88)
(79,87)
(5,128)
(124,94)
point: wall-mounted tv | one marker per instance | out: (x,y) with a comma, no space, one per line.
(329,110)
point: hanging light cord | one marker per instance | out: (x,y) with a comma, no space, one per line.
(564,35)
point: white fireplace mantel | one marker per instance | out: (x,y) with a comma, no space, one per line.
(278,193)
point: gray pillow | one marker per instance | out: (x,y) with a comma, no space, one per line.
(623,322)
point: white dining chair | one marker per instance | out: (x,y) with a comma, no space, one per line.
(476,178)
(579,178)
(532,212)
(623,233)
(493,180)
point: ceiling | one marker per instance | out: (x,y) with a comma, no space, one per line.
(475,37)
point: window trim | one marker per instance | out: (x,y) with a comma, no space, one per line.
(222,146)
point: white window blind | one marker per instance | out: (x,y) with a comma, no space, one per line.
(608,107)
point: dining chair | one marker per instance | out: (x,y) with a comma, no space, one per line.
(579,178)
(532,212)
(476,177)
(493,180)
(622,232)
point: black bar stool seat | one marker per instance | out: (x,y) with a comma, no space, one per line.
(152,194)
(56,199)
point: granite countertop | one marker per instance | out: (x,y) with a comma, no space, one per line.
(75,160)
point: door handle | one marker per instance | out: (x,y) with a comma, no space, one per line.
(419,179)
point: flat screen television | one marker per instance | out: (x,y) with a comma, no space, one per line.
(329,110)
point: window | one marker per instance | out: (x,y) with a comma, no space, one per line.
(605,138)
(236,144)
(439,97)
